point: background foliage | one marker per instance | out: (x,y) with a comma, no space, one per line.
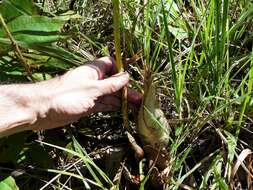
(200,54)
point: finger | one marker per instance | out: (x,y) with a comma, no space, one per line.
(103,66)
(100,107)
(113,84)
(134,97)
(110,63)
(113,102)
(116,100)
(110,103)
(110,100)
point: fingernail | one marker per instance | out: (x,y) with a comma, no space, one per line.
(122,74)
(123,77)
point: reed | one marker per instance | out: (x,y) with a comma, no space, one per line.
(119,64)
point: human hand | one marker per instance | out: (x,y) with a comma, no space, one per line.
(83,91)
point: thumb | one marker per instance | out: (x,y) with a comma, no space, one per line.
(113,84)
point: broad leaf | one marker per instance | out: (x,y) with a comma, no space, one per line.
(57,64)
(8,184)
(35,29)
(11,9)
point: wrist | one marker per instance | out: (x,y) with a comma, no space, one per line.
(21,107)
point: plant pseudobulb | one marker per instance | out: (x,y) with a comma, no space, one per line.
(153,127)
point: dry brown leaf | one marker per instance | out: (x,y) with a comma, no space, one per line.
(243,155)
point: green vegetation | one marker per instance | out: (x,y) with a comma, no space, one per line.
(192,59)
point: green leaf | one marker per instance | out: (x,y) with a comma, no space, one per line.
(68,156)
(35,29)
(179,33)
(69,15)
(60,54)
(11,9)
(11,77)
(178,26)
(35,23)
(56,63)
(40,38)
(8,184)
(41,76)
(241,21)
(4,49)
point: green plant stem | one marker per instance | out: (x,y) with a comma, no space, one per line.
(119,64)
(18,51)
(116,25)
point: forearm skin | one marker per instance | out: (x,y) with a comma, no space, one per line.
(21,106)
